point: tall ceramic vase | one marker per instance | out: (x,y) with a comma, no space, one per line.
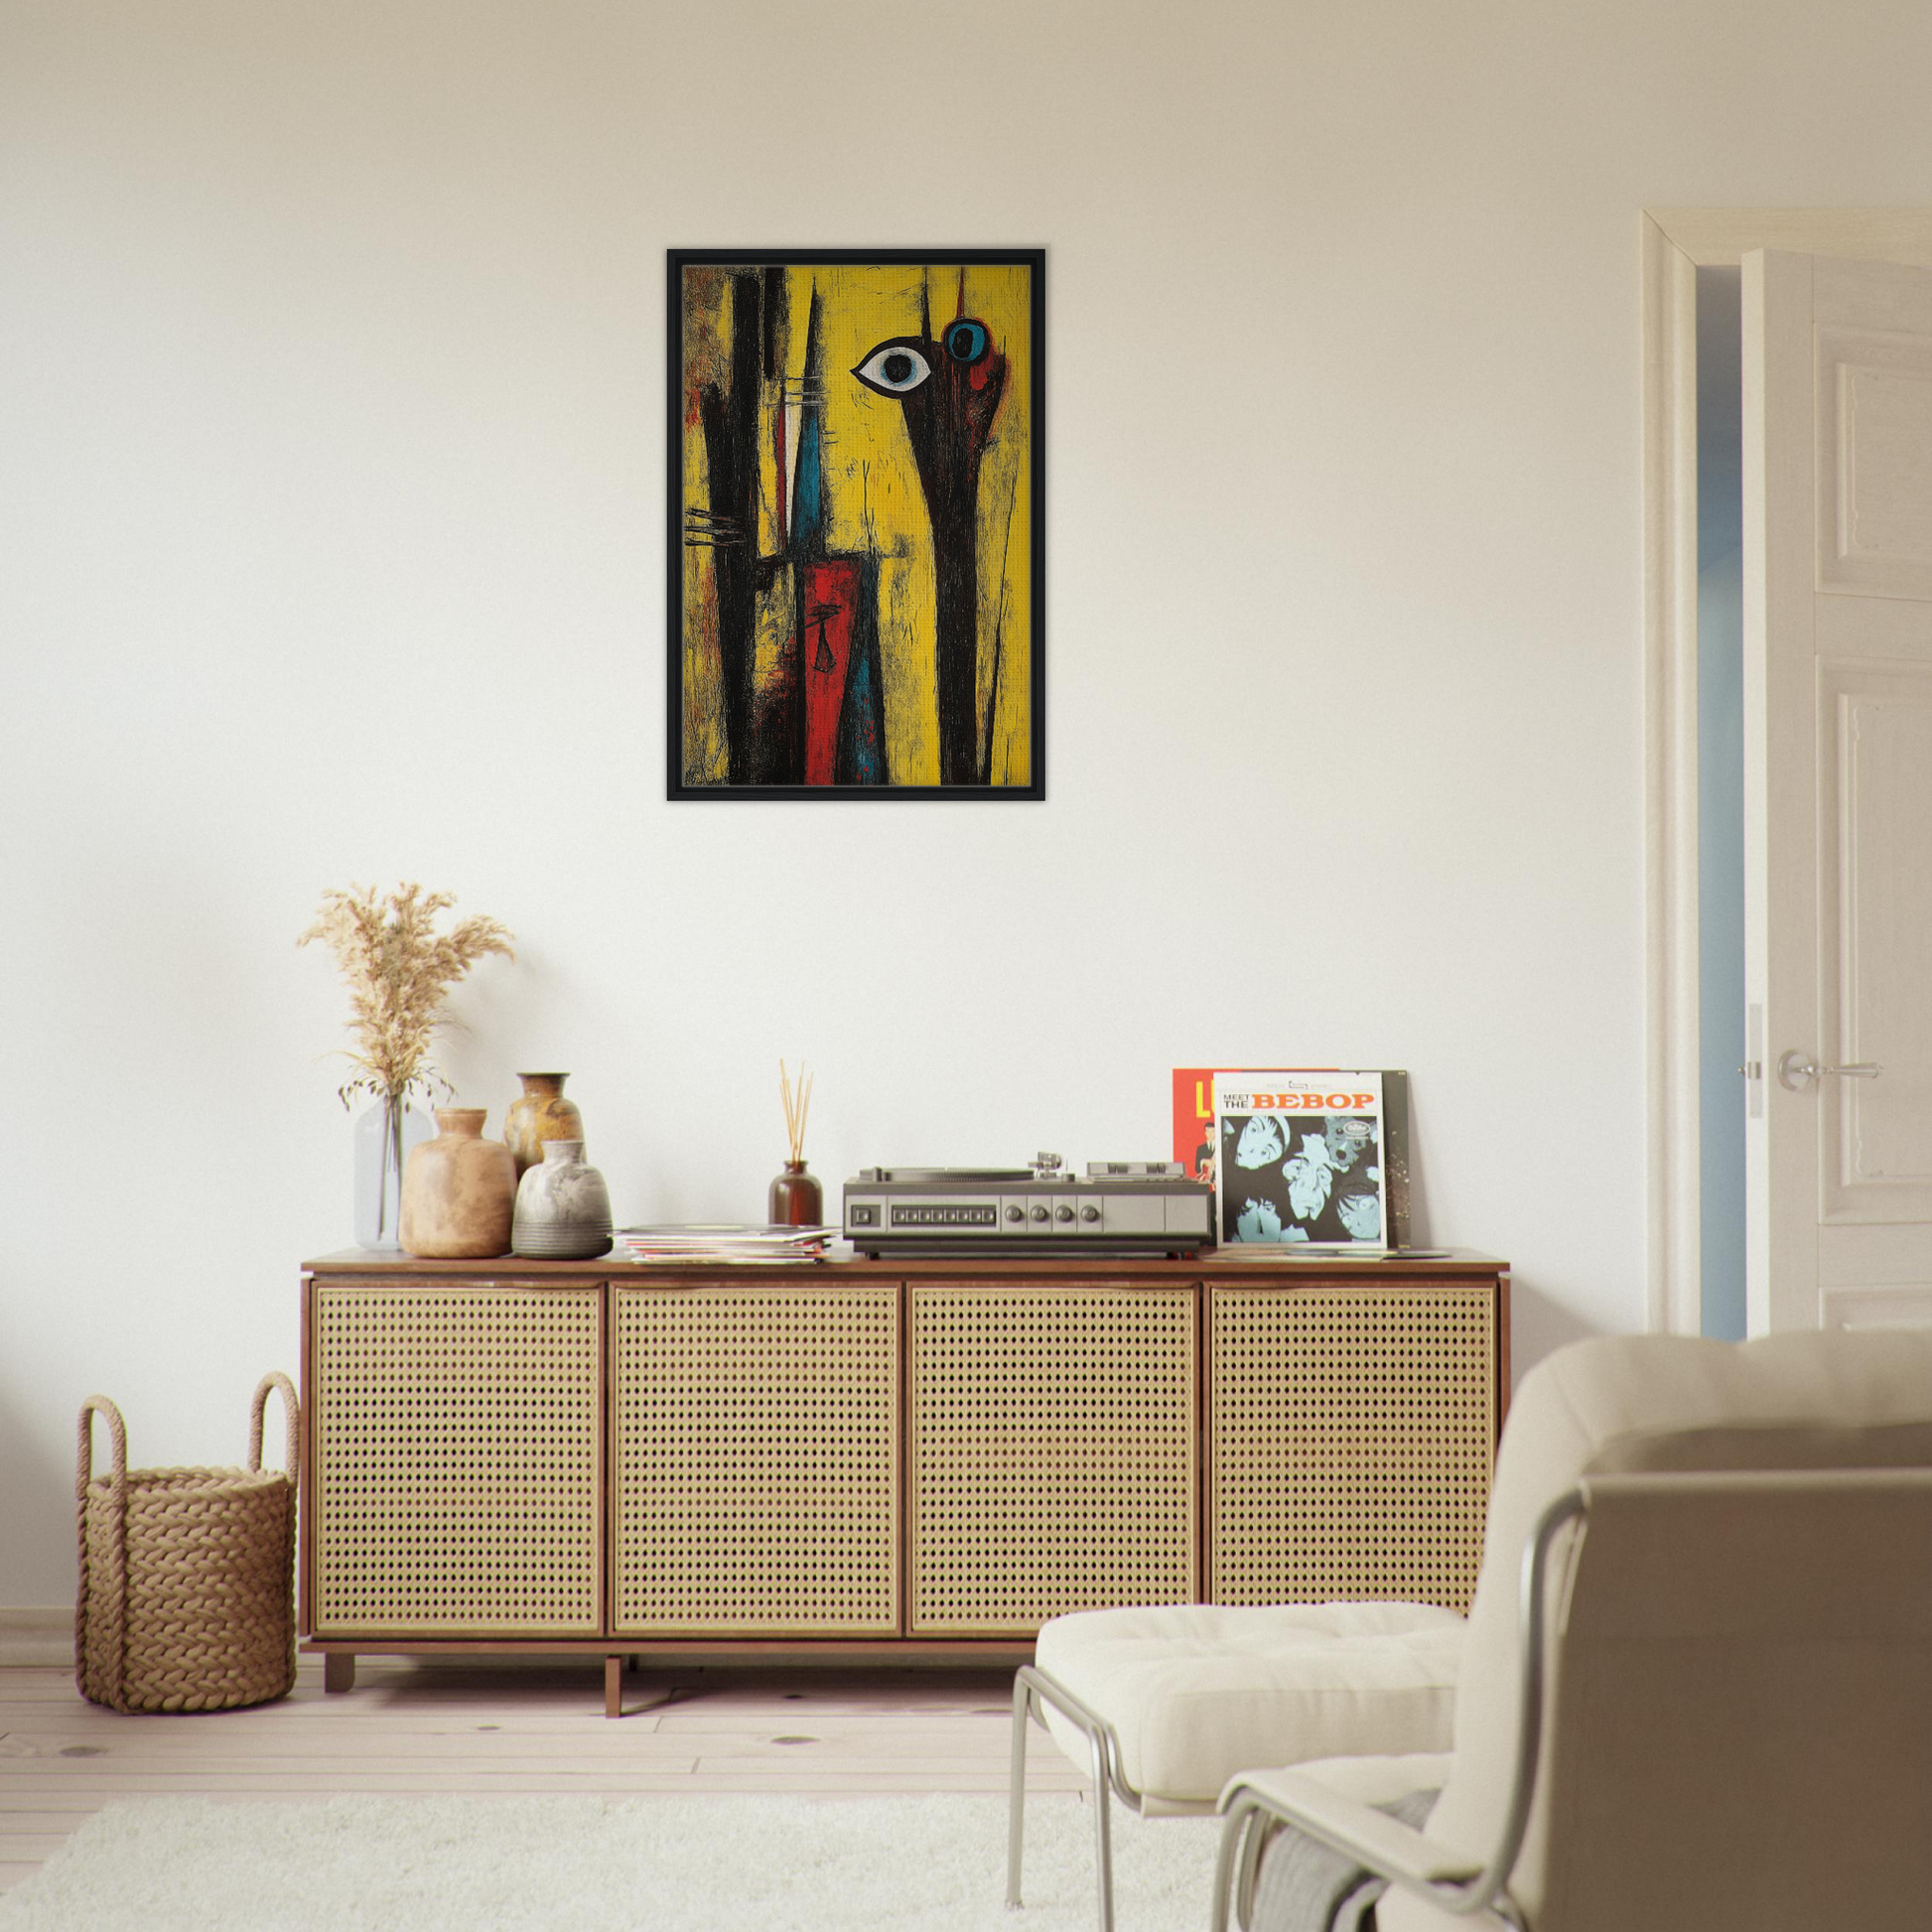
(540,1113)
(384,1136)
(459,1190)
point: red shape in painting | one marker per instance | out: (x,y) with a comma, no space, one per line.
(831,598)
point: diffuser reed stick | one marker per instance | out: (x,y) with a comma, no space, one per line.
(798,1104)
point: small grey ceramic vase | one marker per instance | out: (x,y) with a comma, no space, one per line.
(563,1208)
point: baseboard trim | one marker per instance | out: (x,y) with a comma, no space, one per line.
(39,1635)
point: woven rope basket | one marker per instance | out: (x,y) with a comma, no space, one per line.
(187,1576)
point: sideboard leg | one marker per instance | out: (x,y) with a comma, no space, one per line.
(613,1687)
(339,1669)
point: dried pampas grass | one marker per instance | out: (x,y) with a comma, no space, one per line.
(398,969)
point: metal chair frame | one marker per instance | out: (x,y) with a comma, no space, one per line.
(1031,1688)
(1254,1816)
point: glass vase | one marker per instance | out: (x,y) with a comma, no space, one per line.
(384,1135)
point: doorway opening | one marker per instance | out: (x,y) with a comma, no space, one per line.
(1694,1048)
(1721,799)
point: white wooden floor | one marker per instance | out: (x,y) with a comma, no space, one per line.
(509,1727)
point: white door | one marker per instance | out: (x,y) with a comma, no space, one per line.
(1838,780)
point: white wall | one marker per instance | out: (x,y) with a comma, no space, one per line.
(331,449)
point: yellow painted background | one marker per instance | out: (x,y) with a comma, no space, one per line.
(873,502)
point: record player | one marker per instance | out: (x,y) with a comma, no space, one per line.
(1136,1207)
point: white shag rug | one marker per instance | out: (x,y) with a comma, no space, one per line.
(754,1863)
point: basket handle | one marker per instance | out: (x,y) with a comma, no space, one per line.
(117,1433)
(291,1410)
(112,1641)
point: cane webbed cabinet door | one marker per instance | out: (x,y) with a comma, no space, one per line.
(1351,1436)
(756,1452)
(1053,1440)
(457,1459)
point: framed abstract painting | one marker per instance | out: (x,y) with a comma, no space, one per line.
(857,523)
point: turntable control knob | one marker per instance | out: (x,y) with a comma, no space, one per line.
(1063,1212)
(1015,1213)
(1039,1214)
(1089,1212)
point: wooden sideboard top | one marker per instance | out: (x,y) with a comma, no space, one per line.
(1220,1265)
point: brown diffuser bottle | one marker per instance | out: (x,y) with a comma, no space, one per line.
(796,1199)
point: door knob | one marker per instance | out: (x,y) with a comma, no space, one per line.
(1797,1070)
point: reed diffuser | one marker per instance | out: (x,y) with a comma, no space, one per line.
(796,1200)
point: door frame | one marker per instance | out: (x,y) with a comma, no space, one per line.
(1675,243)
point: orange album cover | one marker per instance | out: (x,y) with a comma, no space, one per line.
(1193,1112)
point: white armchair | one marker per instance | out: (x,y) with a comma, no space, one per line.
(1697,1683)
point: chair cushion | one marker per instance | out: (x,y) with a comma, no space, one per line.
(1199,1692)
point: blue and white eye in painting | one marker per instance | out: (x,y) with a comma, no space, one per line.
(966,340)
(895,368)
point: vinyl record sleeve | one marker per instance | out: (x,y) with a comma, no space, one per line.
(1196,1147)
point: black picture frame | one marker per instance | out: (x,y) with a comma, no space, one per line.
(771,741)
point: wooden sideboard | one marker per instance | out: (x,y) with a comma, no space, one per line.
(880,1460)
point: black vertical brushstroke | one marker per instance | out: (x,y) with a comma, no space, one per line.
(948,466)
(949,477)
(730,420)
(863,722)
(946,424)
(955,558)
(773,319)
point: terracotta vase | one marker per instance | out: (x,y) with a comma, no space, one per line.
(796,1199)
(540,1114)
(459,1190)
(563,1208)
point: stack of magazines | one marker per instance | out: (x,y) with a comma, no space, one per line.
(707,1242)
